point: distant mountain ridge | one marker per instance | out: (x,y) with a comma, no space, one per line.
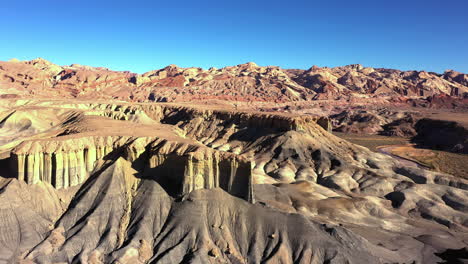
(244,82)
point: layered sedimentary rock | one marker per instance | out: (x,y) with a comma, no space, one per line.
(67,160)
(172,113)
(245,82)
(160,183)
(180,167)
(62,163)
(125,220)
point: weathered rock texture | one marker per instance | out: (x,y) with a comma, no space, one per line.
(160,183)
(182,167)
(244,82)
(137,222)
(381,121)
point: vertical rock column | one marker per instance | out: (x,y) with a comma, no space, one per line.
(59,170)
(47,170)
(30,170)
(230,174)
(66,177)
(236,178)
(72,168)
(200,173)
(18,165)
(90,158)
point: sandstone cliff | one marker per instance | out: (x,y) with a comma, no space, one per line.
(183,167)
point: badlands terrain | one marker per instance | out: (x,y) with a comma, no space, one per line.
(244,83)
(244,164)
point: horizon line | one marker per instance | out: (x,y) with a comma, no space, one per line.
(245,63)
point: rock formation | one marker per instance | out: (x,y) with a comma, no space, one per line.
(245,82)
(68,162)
(444,135)
(110,181)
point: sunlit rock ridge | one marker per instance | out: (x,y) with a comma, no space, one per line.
(245,82)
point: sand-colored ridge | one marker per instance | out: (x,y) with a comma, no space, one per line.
(247,82)
(168,183)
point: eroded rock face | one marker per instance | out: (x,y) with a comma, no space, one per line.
(61,163)
(339,81)
(443,135)
(164,183)
(183,167)
(68,159)
(138,222)
(245,82)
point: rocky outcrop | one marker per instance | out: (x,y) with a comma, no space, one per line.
(442,135)
(457,77)
(180,167)
(342,82)
(380,121)
(245,82)
(118,218)
(232,137)
(160,183)
(62,162)
(172,114)
(69,159)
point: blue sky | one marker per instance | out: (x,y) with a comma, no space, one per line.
(143,35)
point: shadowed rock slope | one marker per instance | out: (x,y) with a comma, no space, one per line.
(116,217)
(116,182)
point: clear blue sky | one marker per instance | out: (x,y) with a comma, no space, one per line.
(143,35)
